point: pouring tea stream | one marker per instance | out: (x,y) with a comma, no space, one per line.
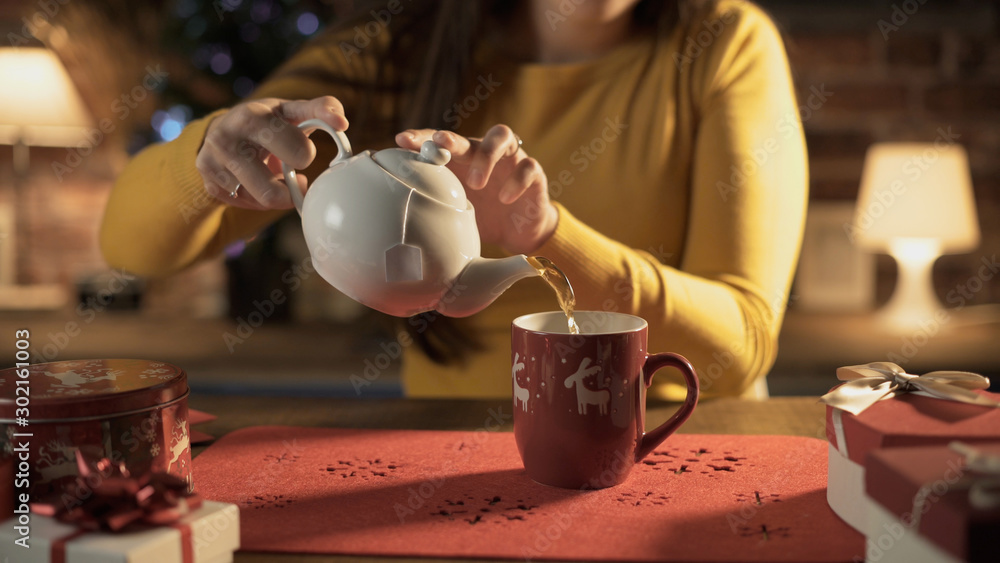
(394,230)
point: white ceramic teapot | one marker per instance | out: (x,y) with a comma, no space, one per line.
(393,230)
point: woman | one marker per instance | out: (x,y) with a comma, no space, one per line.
(662,168)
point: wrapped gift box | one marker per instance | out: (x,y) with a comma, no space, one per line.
(920,508)
(133,411)
(908,419)
(209,534)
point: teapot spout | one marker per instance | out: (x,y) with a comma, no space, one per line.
(481,282)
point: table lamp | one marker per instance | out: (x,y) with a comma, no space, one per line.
(915,204)
(40,106)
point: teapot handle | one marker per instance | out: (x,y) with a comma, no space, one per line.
(343,153)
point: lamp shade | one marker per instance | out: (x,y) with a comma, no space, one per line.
(39,105)
(916,191)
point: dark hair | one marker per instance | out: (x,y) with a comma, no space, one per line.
(445,62)
(440,62)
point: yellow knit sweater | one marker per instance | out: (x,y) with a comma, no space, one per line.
(678,166)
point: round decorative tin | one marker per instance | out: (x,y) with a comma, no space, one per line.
(133,411)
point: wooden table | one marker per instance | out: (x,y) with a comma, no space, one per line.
(796,416)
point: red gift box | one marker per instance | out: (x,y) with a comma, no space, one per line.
(905,420)
(923,507)
(134,411)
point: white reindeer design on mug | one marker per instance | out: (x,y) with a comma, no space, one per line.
(585,396)
(520,393)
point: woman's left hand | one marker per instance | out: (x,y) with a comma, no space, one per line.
(506,186)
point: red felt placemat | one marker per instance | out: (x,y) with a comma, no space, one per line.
(465,494)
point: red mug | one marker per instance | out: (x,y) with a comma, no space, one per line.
(580,399)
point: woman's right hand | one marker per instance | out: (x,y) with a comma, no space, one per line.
(239,147)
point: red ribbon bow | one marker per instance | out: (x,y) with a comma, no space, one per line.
(105,496)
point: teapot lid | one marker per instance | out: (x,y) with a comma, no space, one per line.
(425,172)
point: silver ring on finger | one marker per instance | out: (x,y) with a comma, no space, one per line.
(519,141)
(236,191)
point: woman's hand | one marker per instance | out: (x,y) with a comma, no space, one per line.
(239,146)
(506,186)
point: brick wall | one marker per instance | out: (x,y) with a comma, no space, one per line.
(900,71)
(59,220)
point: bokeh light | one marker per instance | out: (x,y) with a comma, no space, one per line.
(307,24)
(221,63)
(181,113)
(168,124)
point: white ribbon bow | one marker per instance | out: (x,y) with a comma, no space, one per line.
(871,383)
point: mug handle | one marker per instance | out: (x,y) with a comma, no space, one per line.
(653,363)
(343,153)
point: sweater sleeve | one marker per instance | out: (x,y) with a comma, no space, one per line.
(722,307)
(159,219)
